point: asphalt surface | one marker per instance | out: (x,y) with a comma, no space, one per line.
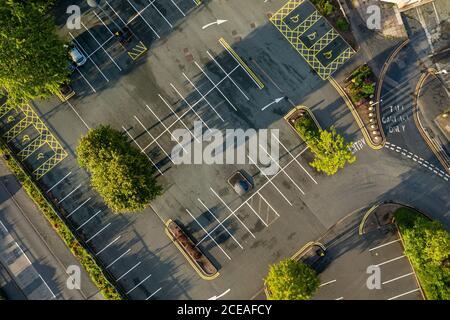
(279,216)
(33,257)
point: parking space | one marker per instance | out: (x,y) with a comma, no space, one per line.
(117,33)
(312,36)
(348,271)
(36,146)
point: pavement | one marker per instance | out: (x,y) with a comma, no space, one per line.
(34,259)
(346,271)
(189,75)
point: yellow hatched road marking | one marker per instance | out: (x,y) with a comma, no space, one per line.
(45,137)
(137,51)
(310,54)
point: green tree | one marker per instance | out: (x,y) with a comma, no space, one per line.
(34,62)
(291,280)
(427,245)
(120,173)
(331,152)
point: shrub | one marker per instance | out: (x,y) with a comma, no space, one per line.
(291,280)
(427,245)
(86,260)
(342,24)
(119,172)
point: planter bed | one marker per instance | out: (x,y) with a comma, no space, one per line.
(296,114)
(196,258)
(366,110)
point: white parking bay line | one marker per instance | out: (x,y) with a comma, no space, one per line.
(163,16)
(153,294)
(383,245)
(57,183)
(131,269)
(131,290)
(26,257)
(70,193)
(229,77)
(226,229)
(108,245)
(145,21)
(404,294)
(78,207)
(271,182)
(215,85)
(401,277)
(391,260)
(142,150)
(89,220)
(232,212)
(298,162)
(327,283)
(110,265)
(181,11)
(206,232)
(82,75)
(98,232)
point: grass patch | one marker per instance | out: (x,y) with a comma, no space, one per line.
(427,245)
(83,256)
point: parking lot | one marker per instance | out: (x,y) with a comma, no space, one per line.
(350,262)
(226,77)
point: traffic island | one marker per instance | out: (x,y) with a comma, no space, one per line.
(197,259)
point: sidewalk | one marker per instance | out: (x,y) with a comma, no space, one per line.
(34,255)
(433,102)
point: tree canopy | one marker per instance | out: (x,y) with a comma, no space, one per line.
(120,173)
(331,152)
(34,61)
(291,280)
(427,245)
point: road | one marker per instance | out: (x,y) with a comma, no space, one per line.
(31,253)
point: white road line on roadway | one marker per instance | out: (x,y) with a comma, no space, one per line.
(210,236)
(78,115)
(340,298)
(26,257)
(383,245)
(47,286)
(4,227)
(57,183)
(131,269)
(108,245)
(110,265)
(404,294)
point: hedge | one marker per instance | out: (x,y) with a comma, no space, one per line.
(427,245)
(84,257)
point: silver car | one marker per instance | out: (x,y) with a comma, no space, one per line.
(77,57)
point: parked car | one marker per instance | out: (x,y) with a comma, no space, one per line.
(77,57)
(240,184)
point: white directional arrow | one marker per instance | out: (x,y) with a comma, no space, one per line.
(273,102)
(218,22)
(220,295)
